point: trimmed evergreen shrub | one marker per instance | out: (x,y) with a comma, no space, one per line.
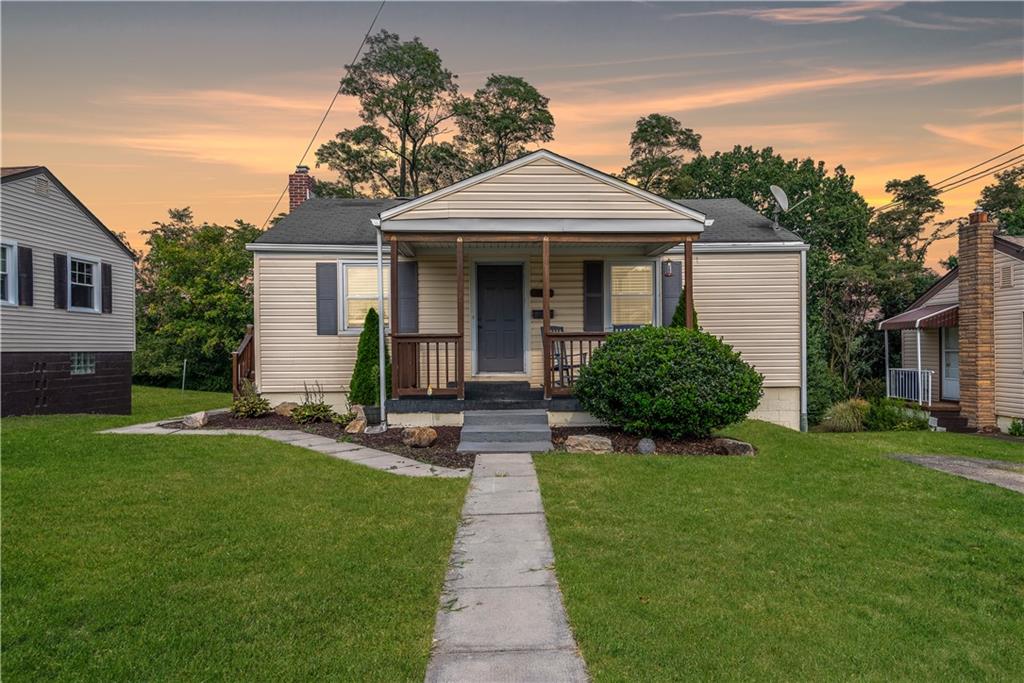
(314,408)
(846,416)
(364,389)
(668,381)
(892,415)
(249,403)
(679,316)
(1016,427)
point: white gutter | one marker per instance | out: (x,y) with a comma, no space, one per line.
(741,247)
(316,248)
(803,341)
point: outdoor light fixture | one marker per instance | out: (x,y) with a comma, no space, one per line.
(666,268)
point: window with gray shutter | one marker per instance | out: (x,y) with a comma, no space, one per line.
(671,291)
(327,298)
(593,296)
(408,297)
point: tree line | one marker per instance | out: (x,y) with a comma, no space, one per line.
(418,134)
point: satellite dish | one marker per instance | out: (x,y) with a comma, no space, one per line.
(780,197)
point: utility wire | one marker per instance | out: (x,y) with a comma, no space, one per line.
(944,185)
(337,91)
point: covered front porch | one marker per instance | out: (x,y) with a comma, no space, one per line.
(513,317)
(930,355)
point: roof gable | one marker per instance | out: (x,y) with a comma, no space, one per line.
(543,185)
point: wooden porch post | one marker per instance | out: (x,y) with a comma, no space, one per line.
(394,316)
(460,347)
(546,261)
(688,275)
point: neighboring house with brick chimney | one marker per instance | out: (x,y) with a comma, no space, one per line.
(962,341)
(67,302)
(499,287)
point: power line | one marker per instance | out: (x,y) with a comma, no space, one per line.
(337,91)
(981,164)
(978,176)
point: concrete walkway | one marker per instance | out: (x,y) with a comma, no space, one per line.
(501,616)
(1008,475)
(351,452)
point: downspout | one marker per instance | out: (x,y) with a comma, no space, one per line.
(380,328)
(920,380)
(803,340)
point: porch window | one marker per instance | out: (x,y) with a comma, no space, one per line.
(361,293)
(631,293)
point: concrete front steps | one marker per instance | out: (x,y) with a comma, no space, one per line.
(505,431)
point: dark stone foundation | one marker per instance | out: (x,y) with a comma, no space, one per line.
(41,383)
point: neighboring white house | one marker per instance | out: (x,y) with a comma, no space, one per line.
(540,242)
(67,302)
(962,342)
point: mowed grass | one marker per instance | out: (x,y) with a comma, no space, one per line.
(211,558)
(818,559)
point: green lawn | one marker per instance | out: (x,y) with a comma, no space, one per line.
(155,558)
(817,559)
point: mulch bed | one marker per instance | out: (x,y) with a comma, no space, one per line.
(441,454)
(626,443)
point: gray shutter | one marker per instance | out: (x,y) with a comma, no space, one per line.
(327,298)
(593,296)
(671,292)
(408,297)
(60,281)
(24,276)
(107,288)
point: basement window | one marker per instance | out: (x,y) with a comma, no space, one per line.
(360,283)
(83,363)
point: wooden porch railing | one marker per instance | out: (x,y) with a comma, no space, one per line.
(243,362)
(427,365)
(566,353)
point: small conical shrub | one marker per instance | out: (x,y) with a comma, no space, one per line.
(679,317)
(364,389)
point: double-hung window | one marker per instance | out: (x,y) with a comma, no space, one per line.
(360,286)
(631,293)
(83,284)
(8,273)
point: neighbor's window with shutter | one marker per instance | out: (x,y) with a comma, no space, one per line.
(631,293)
(83,284)
(361,293)
(8,274)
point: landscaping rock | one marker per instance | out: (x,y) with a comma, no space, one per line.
(646,446)
(734,447)
(285,409)
(588,443)
(358,411)
(419,437)
(196,420)
(356,426)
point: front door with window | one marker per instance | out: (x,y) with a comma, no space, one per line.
(499,318)
(951,363)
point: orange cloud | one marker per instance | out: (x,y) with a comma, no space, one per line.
(994,136)
(838,13)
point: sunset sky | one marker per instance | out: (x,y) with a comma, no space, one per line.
(145,106)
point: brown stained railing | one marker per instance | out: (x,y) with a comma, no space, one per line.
(427,365)
(567,353)
(243,362)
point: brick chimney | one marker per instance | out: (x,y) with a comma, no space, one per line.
(300,187)
(977,334)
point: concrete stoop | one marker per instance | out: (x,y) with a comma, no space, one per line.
(505,431)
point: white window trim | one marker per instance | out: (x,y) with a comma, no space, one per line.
(97,283)
(344,328)
(655,288)
(12,274)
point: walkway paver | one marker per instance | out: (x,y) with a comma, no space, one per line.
(501,616)
(1008,475)
(340,450)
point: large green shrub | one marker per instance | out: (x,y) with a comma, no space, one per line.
(846,416)
(364,389)
(668,381)
(892,415)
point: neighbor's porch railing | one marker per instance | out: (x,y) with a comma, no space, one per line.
(243,362)
(427,365)
(566,353)
(911,385)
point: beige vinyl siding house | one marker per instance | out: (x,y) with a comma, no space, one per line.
(1009,337)
(747,283)
(68,322)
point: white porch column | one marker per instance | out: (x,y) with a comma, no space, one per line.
(382,393)
(885,335)
(920,380)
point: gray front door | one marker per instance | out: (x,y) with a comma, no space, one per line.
(499,318)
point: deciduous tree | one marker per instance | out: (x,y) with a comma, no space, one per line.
(656,151)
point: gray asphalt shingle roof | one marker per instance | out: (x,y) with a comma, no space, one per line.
(347,221)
